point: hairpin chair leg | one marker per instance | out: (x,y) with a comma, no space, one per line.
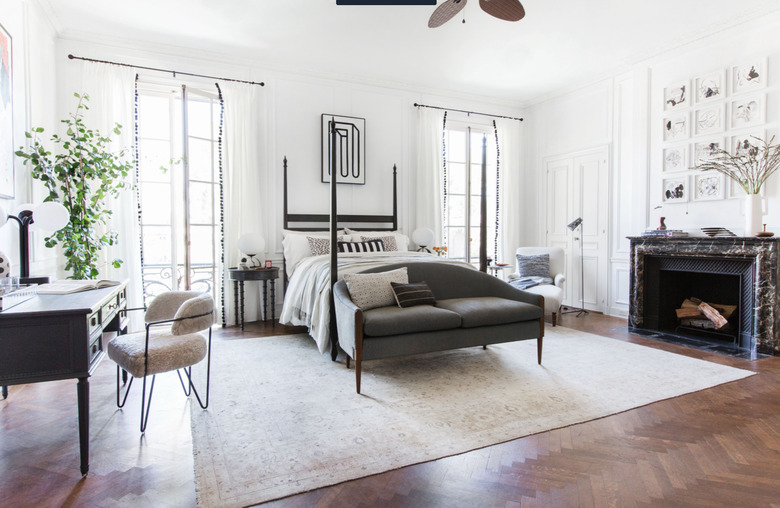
(188,373)
(146,404)
(119,389)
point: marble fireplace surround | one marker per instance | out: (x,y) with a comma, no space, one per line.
(764,321)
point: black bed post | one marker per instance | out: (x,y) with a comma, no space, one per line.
(334,267)
(395,198)
(483,210)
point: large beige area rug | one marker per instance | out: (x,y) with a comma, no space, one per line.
(284,419)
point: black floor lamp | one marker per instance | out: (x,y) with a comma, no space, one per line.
(577,223)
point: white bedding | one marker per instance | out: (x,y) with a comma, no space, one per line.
(307,296)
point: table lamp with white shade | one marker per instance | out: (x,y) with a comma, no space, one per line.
(252,244)
(423,238)
(48,216)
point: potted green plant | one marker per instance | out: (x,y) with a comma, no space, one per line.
(81,174)
(752,163)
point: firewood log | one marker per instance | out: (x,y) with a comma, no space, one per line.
(713,315)
(688,312)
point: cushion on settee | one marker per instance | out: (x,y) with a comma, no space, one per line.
(414,293)
(490,310)
(385,321)
(371,290)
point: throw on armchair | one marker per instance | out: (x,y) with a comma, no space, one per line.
(540,271)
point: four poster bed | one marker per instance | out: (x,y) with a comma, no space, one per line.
(309,272)
(314,266)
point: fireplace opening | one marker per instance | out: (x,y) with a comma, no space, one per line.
(720,282)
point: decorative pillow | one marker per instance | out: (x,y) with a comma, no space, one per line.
(533,266)
(371,246)
(414,293)
(401,240)
(388,241)
(371,290)
(296,247)
(319,246)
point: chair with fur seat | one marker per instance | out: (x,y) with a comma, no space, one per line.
(172,340)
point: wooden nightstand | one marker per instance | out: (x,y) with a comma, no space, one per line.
(239,275)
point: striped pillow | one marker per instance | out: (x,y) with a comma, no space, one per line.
(371,246)
(414,293)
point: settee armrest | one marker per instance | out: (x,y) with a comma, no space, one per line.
(349,318)
(559,280)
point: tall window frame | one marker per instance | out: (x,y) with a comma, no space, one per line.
(463,143)
(178,136)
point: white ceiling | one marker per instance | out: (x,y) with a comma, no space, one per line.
(558,45)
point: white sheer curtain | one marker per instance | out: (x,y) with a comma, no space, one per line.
(111,91)
(430,127)
(246,179)
(510,210)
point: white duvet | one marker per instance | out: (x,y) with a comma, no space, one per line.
(307,296)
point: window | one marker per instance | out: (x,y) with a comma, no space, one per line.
(462,184)
(178,185)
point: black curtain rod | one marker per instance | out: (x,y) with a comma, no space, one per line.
(468,112)
(164,70)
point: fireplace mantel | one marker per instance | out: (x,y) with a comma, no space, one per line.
(762,252)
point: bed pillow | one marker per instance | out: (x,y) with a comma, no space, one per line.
(401,240)
(372,290)
(319,246)
(533,266)
(414,293)
(388,241)
(375,245)
(296,246)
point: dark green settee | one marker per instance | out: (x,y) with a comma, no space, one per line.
(472,309)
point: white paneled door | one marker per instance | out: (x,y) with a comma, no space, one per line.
(577,186)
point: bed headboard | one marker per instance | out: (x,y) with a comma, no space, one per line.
(321,222)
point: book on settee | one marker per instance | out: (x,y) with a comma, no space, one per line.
(64,287)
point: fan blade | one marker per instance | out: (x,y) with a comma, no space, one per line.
(445,12)
(508,10)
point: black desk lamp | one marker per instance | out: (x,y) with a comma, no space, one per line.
(50,216)
(577,223)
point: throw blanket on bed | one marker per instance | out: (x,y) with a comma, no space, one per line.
(529,282)
(307,296)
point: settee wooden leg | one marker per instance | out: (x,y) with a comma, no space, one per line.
(484,346)
(554,318)
(358,368)
(347,361)
(539,349)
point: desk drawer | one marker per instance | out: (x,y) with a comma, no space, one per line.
(95,347)
(94,323)
(108,311)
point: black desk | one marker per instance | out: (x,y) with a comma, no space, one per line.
(53,337)
(239,275)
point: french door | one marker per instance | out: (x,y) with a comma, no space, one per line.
(179,189)
(577,186)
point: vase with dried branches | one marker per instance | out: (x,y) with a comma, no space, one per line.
(752,163)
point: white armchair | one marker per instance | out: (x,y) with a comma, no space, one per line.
(552,293)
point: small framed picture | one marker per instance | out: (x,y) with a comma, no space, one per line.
(675,158)
(748,76)
(709,87)
(742,144)
(747,111)
(268,263)
(677,96)
(676,127)
(709,120)
(708,186)
(675,190)
(705,151)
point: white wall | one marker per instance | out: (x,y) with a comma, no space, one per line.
(34,85)
(626,113)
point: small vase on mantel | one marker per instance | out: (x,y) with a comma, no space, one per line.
(753,214)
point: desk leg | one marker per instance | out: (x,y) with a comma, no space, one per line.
(82,389)
(273,303)
(265,300)
(241,286)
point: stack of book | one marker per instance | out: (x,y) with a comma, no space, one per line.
(664,233)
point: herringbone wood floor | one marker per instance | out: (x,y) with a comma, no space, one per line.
(717,447)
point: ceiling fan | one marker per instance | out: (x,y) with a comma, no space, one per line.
(508,10)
